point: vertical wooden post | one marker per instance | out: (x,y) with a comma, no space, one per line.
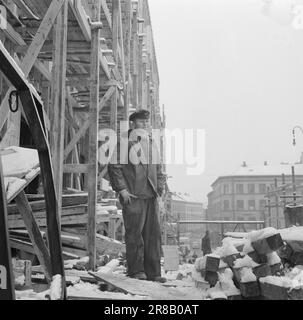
(115,41)
(135,46)
(7,290)
(57,111)
(127,41)
(93,132)
(140,72)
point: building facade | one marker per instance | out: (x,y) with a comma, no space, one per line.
(242,195)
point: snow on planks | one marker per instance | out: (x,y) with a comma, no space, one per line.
(20,167)
(152,290)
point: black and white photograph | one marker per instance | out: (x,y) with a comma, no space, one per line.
(151,152)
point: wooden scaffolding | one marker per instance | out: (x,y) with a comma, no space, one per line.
(90,63)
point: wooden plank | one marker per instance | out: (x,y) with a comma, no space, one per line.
(25,9)
(34,233)
(107,13)
(57,112)
(76,168)
(68,201)
(81,17)
(114,111)
(7,291)
(93,134)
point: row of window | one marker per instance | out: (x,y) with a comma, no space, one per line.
(245,205)
(251,188)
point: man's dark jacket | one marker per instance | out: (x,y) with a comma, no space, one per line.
(129,176)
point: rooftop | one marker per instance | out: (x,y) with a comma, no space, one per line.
(265,170)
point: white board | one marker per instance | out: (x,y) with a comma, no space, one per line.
(171,258)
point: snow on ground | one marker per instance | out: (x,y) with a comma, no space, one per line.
(92,291)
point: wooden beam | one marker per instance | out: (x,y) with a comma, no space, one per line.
(7,290)
(76,168)
(26,10)
(127,39)
(93,134)
(58,88)
(107,13)
(34,233)
(81,17)
(86,124)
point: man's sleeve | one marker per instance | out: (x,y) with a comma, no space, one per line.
(116,174)
(116,177)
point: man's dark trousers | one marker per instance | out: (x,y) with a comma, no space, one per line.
(142,237)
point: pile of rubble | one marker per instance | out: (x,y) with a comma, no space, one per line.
(264,264)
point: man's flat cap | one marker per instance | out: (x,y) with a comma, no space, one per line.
(141,114)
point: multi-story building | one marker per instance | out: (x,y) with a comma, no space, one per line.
(241,195)
(184,207)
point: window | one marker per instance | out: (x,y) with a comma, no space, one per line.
(225,189)
(240,219)
(226,205)
(239,188)
(262,188)
(251,188)
(262,204)
(251,205)
(240,204)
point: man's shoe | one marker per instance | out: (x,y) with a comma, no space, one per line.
(139,276)
(157,279)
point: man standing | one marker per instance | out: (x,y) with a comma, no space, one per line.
(206,248)
(139,183)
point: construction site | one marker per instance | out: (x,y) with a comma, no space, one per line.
(72,72)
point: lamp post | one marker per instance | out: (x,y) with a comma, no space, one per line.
(294,134)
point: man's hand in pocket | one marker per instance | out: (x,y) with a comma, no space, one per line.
(125,196)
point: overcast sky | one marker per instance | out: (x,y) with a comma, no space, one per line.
(228,68)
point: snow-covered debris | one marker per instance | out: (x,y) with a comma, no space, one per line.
(200,263)
(296,276)
(245,262)
(227,284)
(17,162)
(292,234)
(277,281)
(247,246)
(273,258)
(247,275)
(110,267)
(262,234)
(55,289)
(216,293)
(227,248)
